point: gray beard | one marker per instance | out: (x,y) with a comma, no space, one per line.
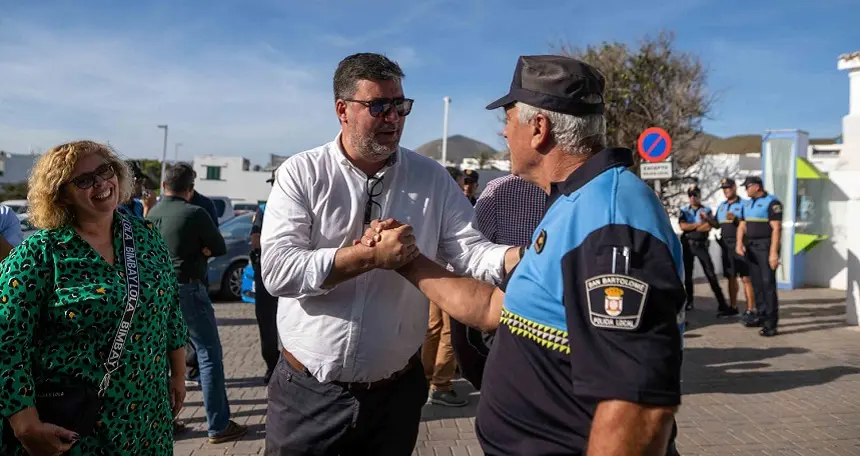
(371,150)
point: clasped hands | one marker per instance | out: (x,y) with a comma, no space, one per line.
(393,243)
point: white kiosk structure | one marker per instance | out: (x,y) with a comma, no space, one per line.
(848,179)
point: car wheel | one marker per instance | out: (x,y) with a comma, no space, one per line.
(231,283)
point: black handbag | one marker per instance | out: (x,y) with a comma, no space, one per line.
(74,403)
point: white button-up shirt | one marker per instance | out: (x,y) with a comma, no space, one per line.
(366,328)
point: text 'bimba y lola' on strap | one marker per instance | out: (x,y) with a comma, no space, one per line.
(132,280)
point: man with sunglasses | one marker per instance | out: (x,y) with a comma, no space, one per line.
(351,381)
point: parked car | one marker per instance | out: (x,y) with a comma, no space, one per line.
(241,208)
(223,207)
(225,272)
(20,207)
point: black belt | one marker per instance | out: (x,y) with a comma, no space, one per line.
(358,386)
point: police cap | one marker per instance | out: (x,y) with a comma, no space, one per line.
(470,176)
(555,83)
(727,182)
(694,191)
(750,180)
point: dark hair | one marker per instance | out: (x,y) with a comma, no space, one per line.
(367,66)
(179,178)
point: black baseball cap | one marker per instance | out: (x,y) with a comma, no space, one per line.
(694,191)
(727,182)
(470,176)
(555,83)
(271,179)
(750,180)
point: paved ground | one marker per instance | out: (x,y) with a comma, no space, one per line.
(796,394)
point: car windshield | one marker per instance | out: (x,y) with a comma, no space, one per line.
(237,227)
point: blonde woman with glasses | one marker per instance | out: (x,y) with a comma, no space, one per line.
(91,336)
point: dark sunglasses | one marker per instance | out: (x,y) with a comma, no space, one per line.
(87,180)
(382,106)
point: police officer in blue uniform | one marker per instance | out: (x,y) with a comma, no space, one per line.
(695,222)
(587,351)
(759,242)
(265,305)
(729,215)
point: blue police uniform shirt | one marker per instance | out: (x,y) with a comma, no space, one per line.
(591,313)
(729,227)
(690,215)
(758,213)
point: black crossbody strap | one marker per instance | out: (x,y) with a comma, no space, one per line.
(132,279)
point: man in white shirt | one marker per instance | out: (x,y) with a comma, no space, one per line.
(350,380)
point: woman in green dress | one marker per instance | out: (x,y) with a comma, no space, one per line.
(63,294)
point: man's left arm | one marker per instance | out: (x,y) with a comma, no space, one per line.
(622,291)
(774,216)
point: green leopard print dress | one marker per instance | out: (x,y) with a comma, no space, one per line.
(57,283)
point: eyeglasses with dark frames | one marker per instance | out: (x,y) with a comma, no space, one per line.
(382,106)
(373,187)
(87,180)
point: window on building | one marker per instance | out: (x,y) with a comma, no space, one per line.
(213,173)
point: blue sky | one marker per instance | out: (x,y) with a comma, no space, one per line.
(254,77)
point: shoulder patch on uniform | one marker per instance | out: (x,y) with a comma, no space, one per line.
(777,208)
(616,301)
(540,241)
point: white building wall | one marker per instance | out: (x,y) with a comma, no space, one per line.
(236,182)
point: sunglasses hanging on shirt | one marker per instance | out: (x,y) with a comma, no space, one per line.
(373,187)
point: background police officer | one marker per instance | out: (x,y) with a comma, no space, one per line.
(265,305)
(470,185)
(761,227)
(695,224)
(729,214)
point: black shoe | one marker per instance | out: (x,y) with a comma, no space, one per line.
(727,312)
(447,398)
(767,332)
(750,319)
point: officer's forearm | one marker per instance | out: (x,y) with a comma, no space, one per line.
(775,238)
(739,241)
(469,301)
(622,428)
(688,226)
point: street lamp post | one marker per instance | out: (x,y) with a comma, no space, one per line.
(163,160)
(447,101)
(176,152)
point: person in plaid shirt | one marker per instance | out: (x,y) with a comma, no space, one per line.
(508,212)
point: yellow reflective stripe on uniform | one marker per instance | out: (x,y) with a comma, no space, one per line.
(748,219)
(546,336)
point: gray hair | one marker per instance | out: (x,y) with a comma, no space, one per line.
(575,135)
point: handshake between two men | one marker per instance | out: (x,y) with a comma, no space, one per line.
(467,300)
